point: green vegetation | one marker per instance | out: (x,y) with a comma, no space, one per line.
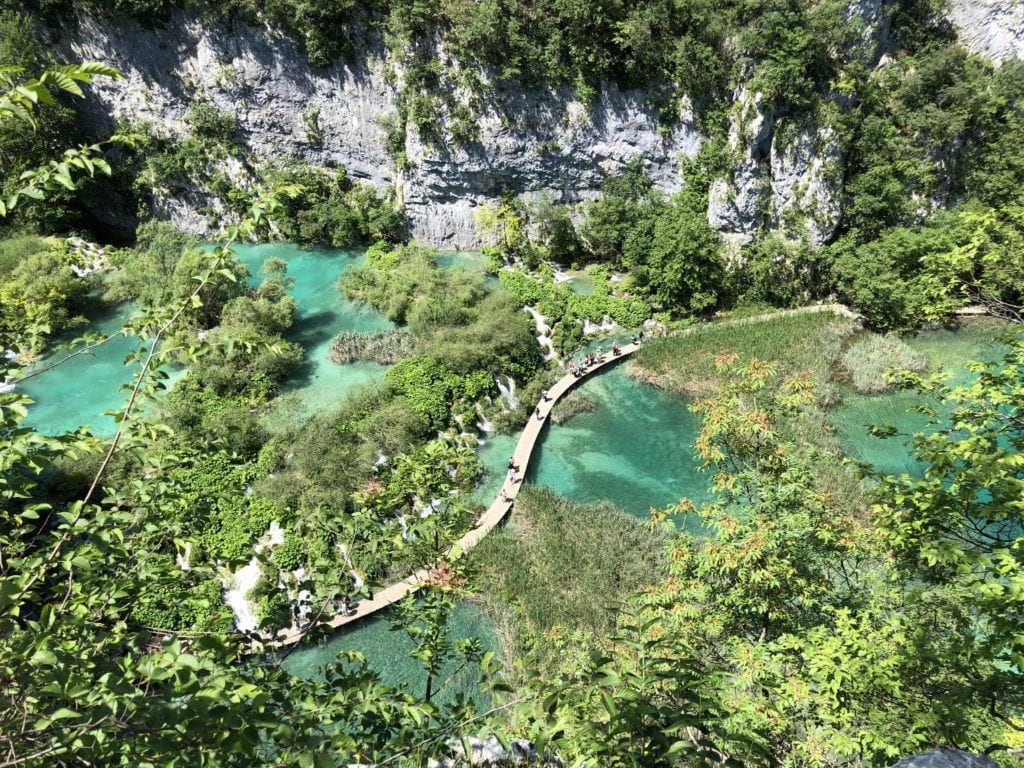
(385,347)
(333,211)
(869,359)
(573,404)
(465,335)
(689,364)
(933,126)
(560,568)
(824,621)
(566,311)
(40,295)
(810,604)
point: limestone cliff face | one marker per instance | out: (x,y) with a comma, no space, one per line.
(787,176)
(991,28)
(527,141)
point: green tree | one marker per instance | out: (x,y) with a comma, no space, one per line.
(957,526)
(683,267)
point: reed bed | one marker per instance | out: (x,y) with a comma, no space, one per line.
(385,347)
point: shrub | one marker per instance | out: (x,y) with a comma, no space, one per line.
(14,250)
(868,359)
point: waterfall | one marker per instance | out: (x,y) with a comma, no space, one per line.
(236,596)
(539,320)
(240,583)
(508,391)
(484,425)
(356,578)
(183,558)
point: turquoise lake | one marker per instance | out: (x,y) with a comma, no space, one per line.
(947,350)
(387,653)
(82,389)
(635,449)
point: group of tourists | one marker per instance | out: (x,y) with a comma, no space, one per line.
(586,362)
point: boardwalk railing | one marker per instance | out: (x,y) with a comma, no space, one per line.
(521,456)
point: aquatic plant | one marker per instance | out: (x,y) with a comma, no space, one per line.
(870,358)
(385,347)
(573,404)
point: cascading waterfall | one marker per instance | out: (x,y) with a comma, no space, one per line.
(184,558)
(240,583)
(508,391)
(484,425)
(544,331)
(607,324)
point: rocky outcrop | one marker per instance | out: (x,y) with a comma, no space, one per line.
(735,204)
(787,175)
(806,181)
(526,140)
(488,753)
(947,758)
(991,28)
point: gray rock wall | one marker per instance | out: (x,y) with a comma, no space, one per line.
(527,141)
(991,28)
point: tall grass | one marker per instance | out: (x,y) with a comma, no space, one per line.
(573,404)
(385,347)
(685,363)
(813,343)
(868,359)
(561,566)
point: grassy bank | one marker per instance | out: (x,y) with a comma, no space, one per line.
(559,568)
(686,364)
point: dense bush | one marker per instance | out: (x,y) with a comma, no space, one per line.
(869,359)
(333,211)
(41,296)
(406,283)
(14,250)
(55,129)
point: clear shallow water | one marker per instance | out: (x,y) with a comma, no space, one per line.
(323,312)
(387,652)
(635,449)
(947,350)
(82,389)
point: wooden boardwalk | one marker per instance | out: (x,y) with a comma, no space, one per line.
(494,514)
(501,506)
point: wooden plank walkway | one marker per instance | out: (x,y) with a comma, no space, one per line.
(501,506)
(494,514)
